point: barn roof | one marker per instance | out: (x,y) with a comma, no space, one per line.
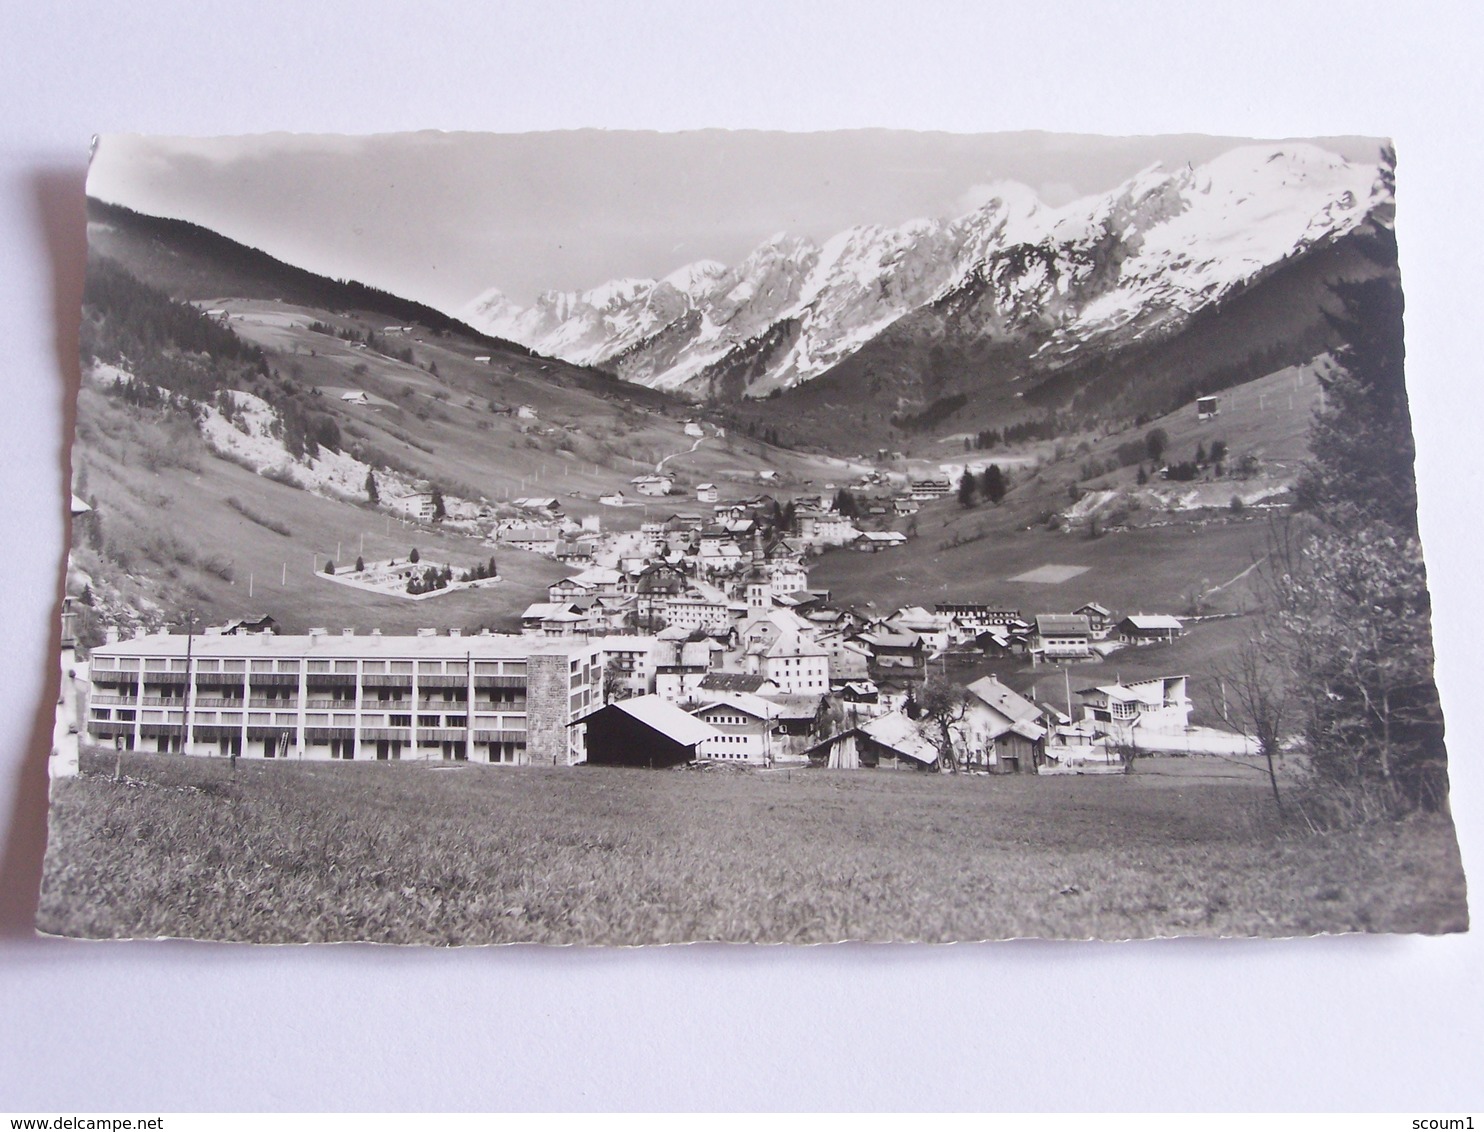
(661,715)
(1153,621)
(1062,623)
(902,735)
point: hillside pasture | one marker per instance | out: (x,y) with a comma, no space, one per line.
(191,534)
(420,853)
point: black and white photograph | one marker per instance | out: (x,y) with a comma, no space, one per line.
(611,537)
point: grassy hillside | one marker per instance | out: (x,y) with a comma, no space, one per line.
(413,853)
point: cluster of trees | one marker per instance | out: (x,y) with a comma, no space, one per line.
(991,485)
(429,578)
(1345,656)
(480,572)
(766,433)
(1044,428)
(194,357)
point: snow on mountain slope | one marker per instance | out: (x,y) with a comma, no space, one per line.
(1104,269)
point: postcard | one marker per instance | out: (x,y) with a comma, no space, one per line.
(635,538)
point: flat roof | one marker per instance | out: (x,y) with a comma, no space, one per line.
(338,645)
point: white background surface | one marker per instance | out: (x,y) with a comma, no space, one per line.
(1347,1023)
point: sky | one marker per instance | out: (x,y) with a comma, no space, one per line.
(443,217)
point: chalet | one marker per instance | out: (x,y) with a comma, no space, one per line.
(928,489)
(904,506)
(1099,619)
(933,628)
(872,541)
(417,504)
(539,504)
(355,397)
(895,655)
(592,582)
(706,493)
(726,511)
(1149,629)
(575,552)
(744,726)
(1002,729)
(1207,407)
(1061,636)
(978,616)
(613,499)
(553,619)
(693,428)
(1160,704)
(536,540)
(644,731)
(653,485)
(525,412)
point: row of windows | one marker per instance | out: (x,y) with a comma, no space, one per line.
(342,667)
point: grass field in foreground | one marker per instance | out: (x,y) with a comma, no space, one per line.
(415,853)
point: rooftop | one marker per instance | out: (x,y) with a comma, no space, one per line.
(342,646)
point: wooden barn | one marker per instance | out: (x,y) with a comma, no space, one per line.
(645,731)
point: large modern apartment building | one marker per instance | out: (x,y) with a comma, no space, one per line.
(486,698)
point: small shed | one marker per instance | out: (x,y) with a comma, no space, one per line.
(1207,407)
(646,731)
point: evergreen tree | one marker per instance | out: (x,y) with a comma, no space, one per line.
(967,490)
(360,564)
(1352,589)
(414,556)
(373,495)
(1156,440)
(330,566)
(1363,450)
(439,514)
(994,485)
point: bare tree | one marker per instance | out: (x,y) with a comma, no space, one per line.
(1255,699)
(944,705)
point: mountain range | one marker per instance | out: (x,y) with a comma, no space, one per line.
(1040,289)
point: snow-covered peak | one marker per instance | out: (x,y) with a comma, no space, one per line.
(697,280)
(1141,255)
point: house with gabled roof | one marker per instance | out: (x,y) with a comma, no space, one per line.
(1002,729)
(1061,636)
(744,727)
(1149,629)
(1099,618)
(891,741)
(644,731)
(1159,704)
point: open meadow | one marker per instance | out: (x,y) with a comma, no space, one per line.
(462,854)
